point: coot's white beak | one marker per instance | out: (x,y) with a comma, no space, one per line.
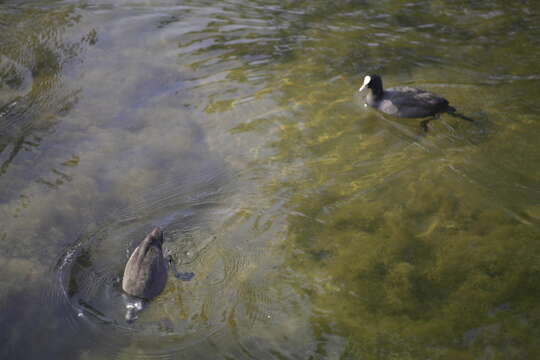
(367,79)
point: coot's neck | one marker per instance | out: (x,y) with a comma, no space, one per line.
(374,96)
(377,87)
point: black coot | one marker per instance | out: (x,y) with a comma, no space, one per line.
(145,274)
(403,101)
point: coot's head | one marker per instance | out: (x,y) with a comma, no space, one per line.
(373,82)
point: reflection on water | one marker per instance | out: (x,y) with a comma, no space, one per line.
(316,228)
(33,97)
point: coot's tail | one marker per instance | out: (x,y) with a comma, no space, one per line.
(452,111)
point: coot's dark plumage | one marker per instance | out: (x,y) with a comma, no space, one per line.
(403,101)
(145,275)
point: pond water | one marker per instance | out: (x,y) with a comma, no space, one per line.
(317,228)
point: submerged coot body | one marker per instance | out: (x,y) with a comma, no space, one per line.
(403,101)
(145,275)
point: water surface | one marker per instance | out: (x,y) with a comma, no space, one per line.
(317,228)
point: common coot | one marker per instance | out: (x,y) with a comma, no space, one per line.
(145,274)
(403,101)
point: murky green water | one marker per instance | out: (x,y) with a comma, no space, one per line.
(317,228)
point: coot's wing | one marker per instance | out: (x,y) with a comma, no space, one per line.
(413,102)
(409,96)
(157,274)
(146,273)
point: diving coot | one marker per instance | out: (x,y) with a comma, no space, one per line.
(146,270)
(403,101)
(145,274)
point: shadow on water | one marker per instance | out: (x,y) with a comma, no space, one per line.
(38,318)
